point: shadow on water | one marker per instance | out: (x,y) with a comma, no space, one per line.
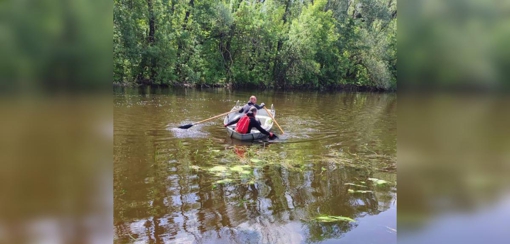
(199,186)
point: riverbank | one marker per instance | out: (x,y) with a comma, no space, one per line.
(341,87)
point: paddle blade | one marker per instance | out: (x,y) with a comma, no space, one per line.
(185,126)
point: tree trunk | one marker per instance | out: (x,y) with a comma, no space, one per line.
(227,54)
(147,60)
(277,74)
(181,47)
(191,5)
(152,32)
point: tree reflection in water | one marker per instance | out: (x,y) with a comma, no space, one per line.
(184,204)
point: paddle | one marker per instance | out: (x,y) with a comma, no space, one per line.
(192,124)
(271,115)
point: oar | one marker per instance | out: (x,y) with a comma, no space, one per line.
(192,124)
(271,115)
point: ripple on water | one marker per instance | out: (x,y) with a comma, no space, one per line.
(193,132)
(300,128)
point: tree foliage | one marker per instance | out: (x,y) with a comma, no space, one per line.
(257,43)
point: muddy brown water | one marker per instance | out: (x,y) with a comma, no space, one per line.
(200,186)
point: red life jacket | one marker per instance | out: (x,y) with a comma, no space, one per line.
(243,124)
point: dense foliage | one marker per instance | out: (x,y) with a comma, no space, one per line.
(256,43)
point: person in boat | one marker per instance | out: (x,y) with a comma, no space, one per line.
(253,123)
(251,102)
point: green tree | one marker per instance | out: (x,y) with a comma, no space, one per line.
(271,43)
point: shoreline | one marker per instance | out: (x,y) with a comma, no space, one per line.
(346,88)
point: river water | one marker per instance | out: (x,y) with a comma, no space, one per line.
(337,157)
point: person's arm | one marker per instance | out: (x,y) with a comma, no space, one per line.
(256,124)
(259,107)
(233,122)
(245,109)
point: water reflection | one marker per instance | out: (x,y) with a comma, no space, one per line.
(165,191)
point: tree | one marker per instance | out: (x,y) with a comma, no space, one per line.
(271,43)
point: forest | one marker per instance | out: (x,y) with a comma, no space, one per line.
(269,44)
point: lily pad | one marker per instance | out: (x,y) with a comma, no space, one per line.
(236,168)
(222,174)
(327,219)
(239,168)
(381,182)
(358,191)
(378,181)
(352,184)
(224,181)
(218,168)
(254,160)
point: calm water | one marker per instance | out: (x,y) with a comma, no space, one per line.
(199,186)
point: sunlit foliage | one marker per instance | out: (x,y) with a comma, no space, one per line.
(267,44)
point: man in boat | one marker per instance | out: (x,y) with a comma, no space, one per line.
(254,122)
(251,102)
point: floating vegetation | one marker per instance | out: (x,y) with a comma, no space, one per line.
(368,160)
(240,168)
(378,181)
(254,160)
(218,168)
(238,164)
(237,168)
(330,218)
(352,184)
(358,191)
(222,174)
(224,181)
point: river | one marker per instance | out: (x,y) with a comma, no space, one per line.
(337,158)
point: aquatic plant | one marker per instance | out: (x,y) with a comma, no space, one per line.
(331,218)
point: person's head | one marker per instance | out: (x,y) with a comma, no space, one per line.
(253,99)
